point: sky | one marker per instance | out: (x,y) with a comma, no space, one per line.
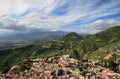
(81,16)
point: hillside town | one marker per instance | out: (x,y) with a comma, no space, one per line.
(62,67)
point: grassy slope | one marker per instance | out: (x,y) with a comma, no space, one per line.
(96,42)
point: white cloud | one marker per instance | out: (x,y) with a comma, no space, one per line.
(104,24)
(4,32)
(11,24)
(101,25)
(19,15)
(94,27)
(13,7)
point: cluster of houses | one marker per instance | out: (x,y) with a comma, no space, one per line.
(116,61)
(63,67)
(47,68)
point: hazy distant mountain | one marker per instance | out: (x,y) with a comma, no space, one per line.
(33,35)
(21,39)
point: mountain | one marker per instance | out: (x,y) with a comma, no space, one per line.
(21,39)
(71,35)
(94,46)
(97,45)
(104,42)
(33,35)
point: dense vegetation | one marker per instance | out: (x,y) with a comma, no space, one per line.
(81,47)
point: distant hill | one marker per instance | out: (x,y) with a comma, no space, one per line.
(72,35)
(22,39)
(94,46)
(33,35)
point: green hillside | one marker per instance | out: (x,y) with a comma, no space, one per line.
(107,39)
(88,47)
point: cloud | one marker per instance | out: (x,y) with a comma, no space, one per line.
(94,27)
(104,24)
(101,25)
(5,32)
(11,24)
(13,7)
(26,15)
